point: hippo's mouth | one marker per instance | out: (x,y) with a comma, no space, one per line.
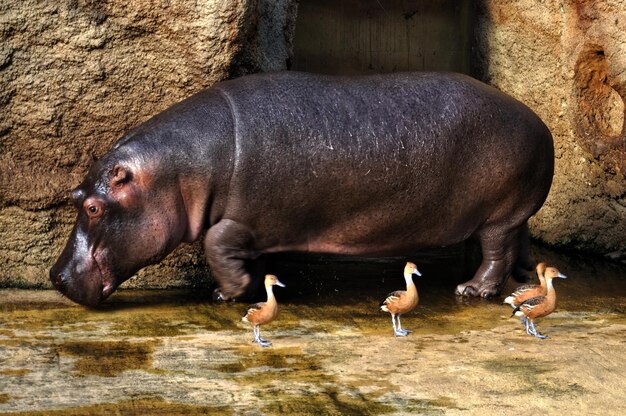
(107,289)
(108,281)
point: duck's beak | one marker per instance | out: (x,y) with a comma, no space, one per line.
(417,272)
(561,275)
(279,283)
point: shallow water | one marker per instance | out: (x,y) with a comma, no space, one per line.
(174,352)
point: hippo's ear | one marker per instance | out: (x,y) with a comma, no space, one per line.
(120,175)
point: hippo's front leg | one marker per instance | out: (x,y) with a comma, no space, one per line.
(227,246)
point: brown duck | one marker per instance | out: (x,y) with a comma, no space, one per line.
(402,301)
(263,312)
(539,306)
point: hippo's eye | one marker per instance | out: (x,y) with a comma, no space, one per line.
(93,208)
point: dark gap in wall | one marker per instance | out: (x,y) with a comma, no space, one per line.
(375,36)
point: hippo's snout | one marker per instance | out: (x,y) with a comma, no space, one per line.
(76,273)
(86,291)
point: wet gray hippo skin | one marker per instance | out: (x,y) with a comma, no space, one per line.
(377,165)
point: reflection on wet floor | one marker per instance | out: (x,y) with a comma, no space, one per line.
(592,284)
(167,352)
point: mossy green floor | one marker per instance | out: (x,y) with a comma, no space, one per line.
(174,352)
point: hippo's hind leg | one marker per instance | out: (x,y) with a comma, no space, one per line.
(523,264)
(228,246)
(500,248)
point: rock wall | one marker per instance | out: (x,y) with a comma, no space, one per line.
(567,61)
(75,75)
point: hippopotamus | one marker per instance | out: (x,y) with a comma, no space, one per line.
(374,165)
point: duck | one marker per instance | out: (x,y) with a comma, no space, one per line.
(526,292)
(539,306)
(402,301)
(263,312)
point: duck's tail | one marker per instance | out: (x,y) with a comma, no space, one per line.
(510,300)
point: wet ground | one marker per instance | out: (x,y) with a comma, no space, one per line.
(174,352)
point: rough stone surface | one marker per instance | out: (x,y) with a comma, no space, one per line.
(76,75)
(567,61)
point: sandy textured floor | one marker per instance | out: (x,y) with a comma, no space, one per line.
(172,352)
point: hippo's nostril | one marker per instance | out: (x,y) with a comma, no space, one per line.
(57,280)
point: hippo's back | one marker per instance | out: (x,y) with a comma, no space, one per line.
(426,146)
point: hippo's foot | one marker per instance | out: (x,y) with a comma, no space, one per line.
(489,278)
(500,248)
(482,288)
(232,289)
(220,296)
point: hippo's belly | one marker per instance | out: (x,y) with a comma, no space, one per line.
(379,165)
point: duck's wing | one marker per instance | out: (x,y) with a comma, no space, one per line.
(392,297)
(253,309)
(531,303)
(523,288)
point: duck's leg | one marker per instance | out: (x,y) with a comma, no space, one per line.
(405,331)
(536,333)
(257,337)
(525,321)
(261,339)
(255,331)
(396,330)
(527,324)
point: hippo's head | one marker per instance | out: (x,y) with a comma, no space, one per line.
(128,217)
